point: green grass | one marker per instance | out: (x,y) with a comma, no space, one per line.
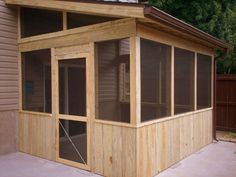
(230,135)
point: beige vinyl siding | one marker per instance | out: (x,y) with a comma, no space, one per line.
(8,58)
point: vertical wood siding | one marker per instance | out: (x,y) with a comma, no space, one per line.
(114,151)
(8,58)
(161,145)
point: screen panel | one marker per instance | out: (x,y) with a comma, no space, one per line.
(113,80)
(36,81)
(155,80)
(72,87)
(204,81)
(183,81)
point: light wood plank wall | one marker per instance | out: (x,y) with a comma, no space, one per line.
(114,150)
(163,144)
(37,135)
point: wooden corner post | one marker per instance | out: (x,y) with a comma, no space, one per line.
(135,81)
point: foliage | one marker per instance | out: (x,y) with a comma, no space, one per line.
(216,17)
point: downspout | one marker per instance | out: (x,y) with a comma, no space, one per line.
(214,101)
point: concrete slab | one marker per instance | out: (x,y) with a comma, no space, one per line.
(23,165)
(215,160)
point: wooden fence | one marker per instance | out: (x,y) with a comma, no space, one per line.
(226,102)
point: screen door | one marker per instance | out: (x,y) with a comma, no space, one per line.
(72,115)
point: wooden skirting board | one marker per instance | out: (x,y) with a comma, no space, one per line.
(125,151)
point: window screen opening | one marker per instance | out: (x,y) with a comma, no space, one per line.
(73,141)
(184,81)
(38,21)
(204,71)
(75,20)
(155,80)
(36,81)
(113,80)
(72,87)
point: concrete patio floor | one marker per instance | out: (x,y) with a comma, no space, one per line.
(24,165)
(215,160)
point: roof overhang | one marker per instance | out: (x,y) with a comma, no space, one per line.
(142,12)
(160,16)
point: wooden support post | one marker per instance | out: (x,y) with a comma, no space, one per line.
(55,98)
(135,81)
(172,80)
(195,81)
(20,81)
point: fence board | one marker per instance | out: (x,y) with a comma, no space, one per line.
(226,102)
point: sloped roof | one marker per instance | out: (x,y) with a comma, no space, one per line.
(123,10)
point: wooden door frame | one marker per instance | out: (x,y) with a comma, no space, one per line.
(57,58)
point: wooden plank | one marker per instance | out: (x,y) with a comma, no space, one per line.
(135,95)
(34,132)
(195,81)
(74,31)
(72,117)
(176,141)
(71,50)
(98,166)
(107,150)
(117,151)
(109,30)
(128,152)
(114,150)
(91,98)
(83,7)
(172,102)
(64,20)
(119,124)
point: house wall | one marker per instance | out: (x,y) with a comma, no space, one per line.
(8,79)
